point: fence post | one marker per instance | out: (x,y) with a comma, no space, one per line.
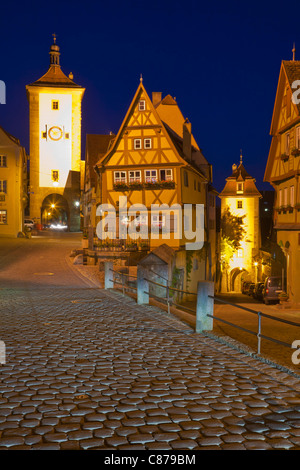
(108,275)
(205,306)
(142,287)
(259,333)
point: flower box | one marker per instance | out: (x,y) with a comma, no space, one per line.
(295,152)
(284,157)
(121,187)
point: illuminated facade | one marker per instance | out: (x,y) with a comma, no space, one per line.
(13,182)
(55,144)
(153,160)
(241,196)
(283,172)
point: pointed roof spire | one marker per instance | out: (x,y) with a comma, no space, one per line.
(54,38)
(54,52)
(241,156)
(141,78)
(294,51)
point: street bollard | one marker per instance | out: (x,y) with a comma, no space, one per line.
(108,275)
(142,287)
(205,306)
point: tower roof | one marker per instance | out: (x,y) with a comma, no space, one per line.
(240,175)
(55,77)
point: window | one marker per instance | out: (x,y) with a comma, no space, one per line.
(3,161)
(137,144)
(135,176)
(3,217)
(3,186)
(142,105)
(240,188)
(185,178)
(54,104)
(280,197)
(287,144)
(67,135)
(147,143)
(240,253)
(150,176)
(239,204)
(297,140)
(120,177)
(292,196)
(166,175)
(44,135)
(285,196)
(158,220)
(55,176)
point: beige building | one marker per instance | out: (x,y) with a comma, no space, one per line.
(241,196)
(283,172)
(55,145)
(13,185)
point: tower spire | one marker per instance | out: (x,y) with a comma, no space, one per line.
(241,156)
(54,53)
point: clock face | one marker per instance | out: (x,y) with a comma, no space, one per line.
(55,133)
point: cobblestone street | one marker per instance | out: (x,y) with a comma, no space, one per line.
(90,369)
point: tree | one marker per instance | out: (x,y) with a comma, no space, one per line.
(232,233)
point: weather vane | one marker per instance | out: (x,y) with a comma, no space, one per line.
(54,38)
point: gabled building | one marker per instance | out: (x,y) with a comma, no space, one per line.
(283,171)
(13,185)
(155,160)
(242,197)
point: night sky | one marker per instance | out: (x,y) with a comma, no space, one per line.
(221,61)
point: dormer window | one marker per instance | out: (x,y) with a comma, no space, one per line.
(240,188)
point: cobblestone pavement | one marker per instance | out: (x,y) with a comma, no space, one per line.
(89,369)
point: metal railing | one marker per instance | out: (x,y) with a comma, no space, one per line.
(202,312)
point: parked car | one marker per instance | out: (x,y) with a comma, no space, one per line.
(272,288)
(258,290)
(251,289)
(29,224)
(245,287)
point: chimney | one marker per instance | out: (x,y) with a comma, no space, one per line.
(156,97)
(187,140)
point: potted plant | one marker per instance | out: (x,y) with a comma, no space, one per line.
(295,152)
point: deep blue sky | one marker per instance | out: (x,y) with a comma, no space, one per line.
(221,61)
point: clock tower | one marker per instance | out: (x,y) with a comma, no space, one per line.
(55,145)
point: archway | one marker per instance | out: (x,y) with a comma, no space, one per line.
(236,278)
(55,211)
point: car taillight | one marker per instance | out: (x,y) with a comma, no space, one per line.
(267,291)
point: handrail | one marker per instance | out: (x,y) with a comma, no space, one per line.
(169,301)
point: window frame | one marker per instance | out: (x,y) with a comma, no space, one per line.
(149,139)
(150,178)
(3,161)
(142,105)
(135,178)
(135,141)
(3,186)
(5,216)
(239,204)
(120,180)
(54,103)
(167,176)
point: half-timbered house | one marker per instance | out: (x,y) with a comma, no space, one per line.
(283,171)
(153,168)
